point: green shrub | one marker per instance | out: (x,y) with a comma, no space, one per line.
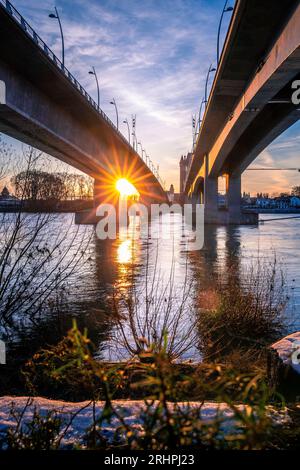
(248,315)
(40,433)
(65,370)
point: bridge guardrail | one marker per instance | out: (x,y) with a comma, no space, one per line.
(14,14)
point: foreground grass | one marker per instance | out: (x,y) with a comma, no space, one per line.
(235,334)
(245,315)
(163,422)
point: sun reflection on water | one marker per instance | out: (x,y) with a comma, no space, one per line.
(125,252)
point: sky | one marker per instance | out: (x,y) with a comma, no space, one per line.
(152,56)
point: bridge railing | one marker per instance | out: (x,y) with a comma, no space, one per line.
(14,14)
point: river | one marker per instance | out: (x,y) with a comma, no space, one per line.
(161,263)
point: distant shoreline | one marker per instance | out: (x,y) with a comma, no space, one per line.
(70,209)
(272,211)
(43,207)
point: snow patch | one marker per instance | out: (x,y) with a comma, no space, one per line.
(82,414)
(288,350)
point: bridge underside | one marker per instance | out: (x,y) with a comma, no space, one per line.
(40,106)
(262,110)
(205,191)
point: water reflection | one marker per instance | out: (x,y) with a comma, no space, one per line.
(125,252)
(130,259)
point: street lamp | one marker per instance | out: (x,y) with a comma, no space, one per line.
(134,141)
(225,10)
(210,70)
(113,102)
(200,112)
(139,144)
(144,152)
(126,122)
(93,72)
(56,16)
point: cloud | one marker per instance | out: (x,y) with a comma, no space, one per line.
(148,55)
(282,153)
(152,56)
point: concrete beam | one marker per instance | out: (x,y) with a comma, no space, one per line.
(273,130)
(253,27)
(2,92)
(41,106)
(280,68)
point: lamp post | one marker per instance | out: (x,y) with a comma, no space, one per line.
(56,16)
(93,72)
(210,70)
(126,122)
(134,139)
(194,129)
(200,112)
(139,144)
(113,102)
(225,10)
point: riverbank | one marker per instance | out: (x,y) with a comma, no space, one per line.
(77,418)
(259,210)
(48,206)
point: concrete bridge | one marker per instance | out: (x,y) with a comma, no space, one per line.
(249,104)
(43,105)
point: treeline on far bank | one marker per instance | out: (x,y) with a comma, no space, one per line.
(35,190)
(50,205)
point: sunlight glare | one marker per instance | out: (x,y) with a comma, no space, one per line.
(125,252)
(125,188)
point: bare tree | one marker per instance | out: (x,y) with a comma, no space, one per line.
(155,316)
(5,158)
(38,254)
(78,186)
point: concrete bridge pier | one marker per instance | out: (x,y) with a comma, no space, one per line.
(234,203)
(211,210)
(233,193)
(101,196)
(232,213)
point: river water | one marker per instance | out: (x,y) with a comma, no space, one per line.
(166,269)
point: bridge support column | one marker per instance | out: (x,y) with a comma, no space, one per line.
(88,216)
(233,191)
(210,199)
(98,193)
(211,212)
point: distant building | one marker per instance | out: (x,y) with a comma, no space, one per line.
(184,164)
(222,201)
(283,202)
(8,201)
(171,194)
(264,202)
(246,199)
(295,201)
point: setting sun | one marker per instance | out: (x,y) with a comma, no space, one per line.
(125,188)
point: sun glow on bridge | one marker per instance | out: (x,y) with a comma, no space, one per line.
(125,188)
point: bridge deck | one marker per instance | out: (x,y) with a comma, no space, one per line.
(254,27)
(46,107)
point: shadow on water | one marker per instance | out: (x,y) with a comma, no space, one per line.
(120,263)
